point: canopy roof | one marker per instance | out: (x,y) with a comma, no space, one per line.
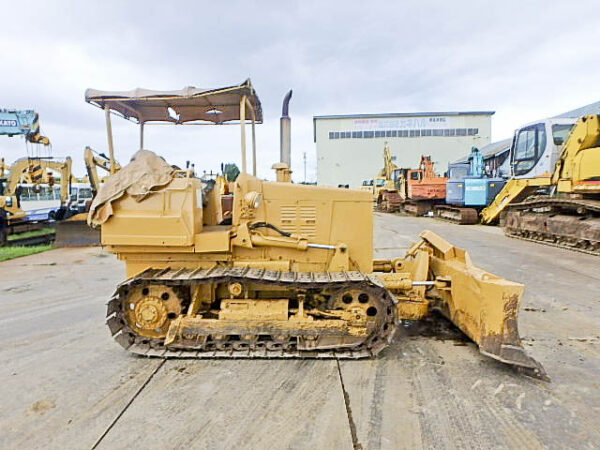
(187,105)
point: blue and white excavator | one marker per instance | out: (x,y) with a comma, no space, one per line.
(469,189)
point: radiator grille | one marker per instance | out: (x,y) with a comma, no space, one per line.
(299,219)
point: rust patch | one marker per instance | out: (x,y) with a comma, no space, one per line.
(41,406)
(511,303)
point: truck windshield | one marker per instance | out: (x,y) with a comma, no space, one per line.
(560,133)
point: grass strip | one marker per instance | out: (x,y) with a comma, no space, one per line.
(7,253)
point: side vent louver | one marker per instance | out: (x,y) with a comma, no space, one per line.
(299,219)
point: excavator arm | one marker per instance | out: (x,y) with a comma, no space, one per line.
(94,160)
(578,167)
(388,165)
(513,191)
(37,170)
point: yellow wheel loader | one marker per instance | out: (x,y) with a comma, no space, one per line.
(283,270)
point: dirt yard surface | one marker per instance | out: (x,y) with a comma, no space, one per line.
(66,384)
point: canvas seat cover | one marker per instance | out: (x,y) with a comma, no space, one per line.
(145,172)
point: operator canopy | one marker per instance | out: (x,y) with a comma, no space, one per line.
(186,105)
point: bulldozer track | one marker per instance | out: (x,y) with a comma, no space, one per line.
(127,338)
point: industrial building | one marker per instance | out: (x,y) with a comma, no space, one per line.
(350,147)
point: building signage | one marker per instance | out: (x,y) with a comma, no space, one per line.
(8,123)
(409,123)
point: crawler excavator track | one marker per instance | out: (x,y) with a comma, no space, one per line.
(560,222)
(253,339)
(389,202)
(461,216)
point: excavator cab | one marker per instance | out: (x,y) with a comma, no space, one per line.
(536,147)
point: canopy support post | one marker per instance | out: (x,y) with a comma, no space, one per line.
(111,149)
(253,136)
(243,128)
(253,149)
(141,135)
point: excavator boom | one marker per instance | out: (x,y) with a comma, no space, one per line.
(94,160)
(37,170)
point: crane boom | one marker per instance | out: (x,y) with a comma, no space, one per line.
(22,123)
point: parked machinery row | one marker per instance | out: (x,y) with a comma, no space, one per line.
(551,193)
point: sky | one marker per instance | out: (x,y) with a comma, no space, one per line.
(526,60)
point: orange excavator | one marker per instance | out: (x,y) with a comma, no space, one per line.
(420,189)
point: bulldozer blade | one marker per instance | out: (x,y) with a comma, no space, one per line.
(482,305)
(75,232)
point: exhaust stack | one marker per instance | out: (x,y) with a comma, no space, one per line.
(282,169)
(285,130)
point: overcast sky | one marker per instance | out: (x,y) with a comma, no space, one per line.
(523,59)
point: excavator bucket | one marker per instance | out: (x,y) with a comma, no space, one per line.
(75,232)
(484,306)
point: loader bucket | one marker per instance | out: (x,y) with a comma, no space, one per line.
(484,306)
(75,232)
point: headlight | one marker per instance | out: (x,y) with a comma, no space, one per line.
(253,199)
(9,202)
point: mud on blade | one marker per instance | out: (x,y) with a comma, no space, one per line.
(484,306)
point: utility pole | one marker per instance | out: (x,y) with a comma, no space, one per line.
(304,157)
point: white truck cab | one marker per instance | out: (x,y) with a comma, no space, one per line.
(536,147)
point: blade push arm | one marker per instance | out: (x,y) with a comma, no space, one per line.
(484,306)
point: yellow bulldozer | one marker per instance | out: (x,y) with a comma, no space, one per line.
(282,270)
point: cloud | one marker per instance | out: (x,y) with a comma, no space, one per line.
(526,60)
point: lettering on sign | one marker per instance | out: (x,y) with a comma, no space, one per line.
(8,123)
(400,124)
